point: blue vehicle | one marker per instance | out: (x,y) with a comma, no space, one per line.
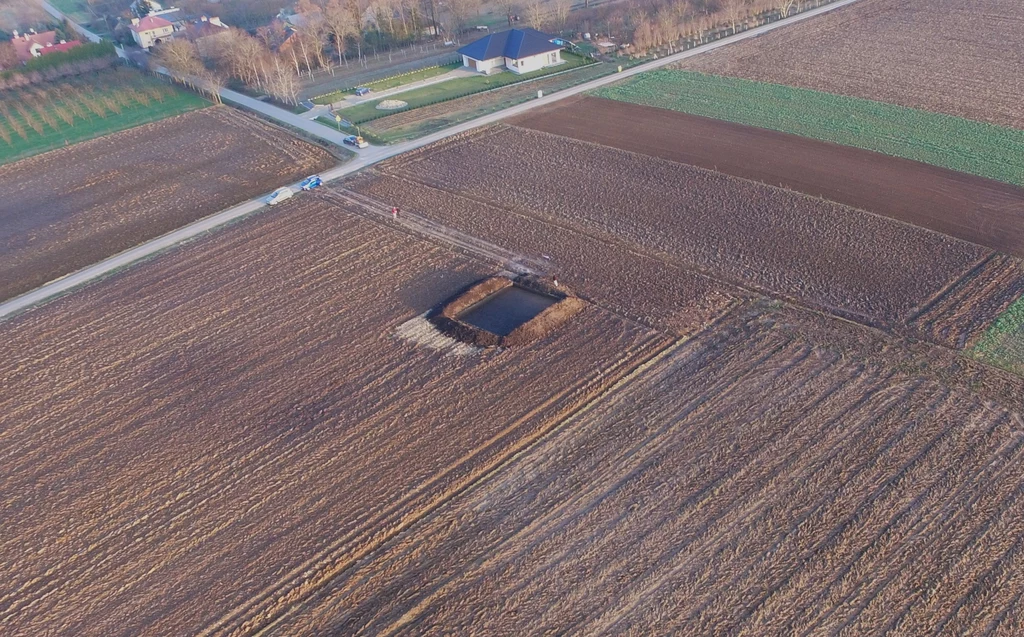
(361,91)
(309,183)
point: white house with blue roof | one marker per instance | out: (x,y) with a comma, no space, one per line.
(518,50)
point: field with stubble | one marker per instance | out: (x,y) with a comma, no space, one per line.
(958,58)
(776,474)
(737,233)
(188,447)
(69,208)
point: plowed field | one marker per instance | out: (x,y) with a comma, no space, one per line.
(69,208)
(205,438)
(761,238)
(978,210)
(775,475)
(947,56)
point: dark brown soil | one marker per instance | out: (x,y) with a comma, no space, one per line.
(971,208)
(69,208)
(771,241)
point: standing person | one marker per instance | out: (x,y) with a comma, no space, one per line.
(394,213)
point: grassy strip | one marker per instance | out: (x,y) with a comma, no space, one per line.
(452,89)
(951,142)
(1002,345)
(88,125)
(390,82)
(500,102)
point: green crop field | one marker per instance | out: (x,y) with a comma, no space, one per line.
(1002,345)
(941,140)
(39,118)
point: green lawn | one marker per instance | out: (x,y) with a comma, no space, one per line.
(390,82)
(1002,345)
(501,101)
(161,100)
(941,140)
(459,87)
(78,11)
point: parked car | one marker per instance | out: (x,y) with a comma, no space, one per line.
(279,195)
(481,27)
(355,140)
(361,91)
(309,183)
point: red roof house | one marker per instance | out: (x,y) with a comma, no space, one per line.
(151,29)
(28,45)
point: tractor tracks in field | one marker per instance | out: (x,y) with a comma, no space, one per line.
(419,225)
(305,583)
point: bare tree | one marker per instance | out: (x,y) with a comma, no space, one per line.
(460,10)
(536,14)
(733,11)
(181,59)
(784,7)
(282,82)
(511,10)
(341,24)
(560,11)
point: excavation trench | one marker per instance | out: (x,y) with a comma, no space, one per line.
(501,311)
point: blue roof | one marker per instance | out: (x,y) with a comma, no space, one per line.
(514,43)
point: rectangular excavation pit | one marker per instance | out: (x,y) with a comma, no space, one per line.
(505,310)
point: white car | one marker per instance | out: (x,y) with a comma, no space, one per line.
(280,195)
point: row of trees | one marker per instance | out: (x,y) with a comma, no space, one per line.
(326,34)
(63,105)
(663,23)
(86,58)
(330,33)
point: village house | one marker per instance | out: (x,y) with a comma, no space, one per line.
(518,50)
(149,30)
(33,45)
(204,32)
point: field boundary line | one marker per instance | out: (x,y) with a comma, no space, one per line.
(309,578)
(444,235)
(950,287)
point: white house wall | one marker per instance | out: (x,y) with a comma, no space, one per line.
(533,62)
(482,65)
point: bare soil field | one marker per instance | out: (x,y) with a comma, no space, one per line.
(69,208)
(946,56)
(760,238)
(204,439)
(777,474)
(974,209)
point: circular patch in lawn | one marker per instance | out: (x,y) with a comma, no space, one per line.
(391,105)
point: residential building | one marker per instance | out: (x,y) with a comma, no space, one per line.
(518,50)
(150,30)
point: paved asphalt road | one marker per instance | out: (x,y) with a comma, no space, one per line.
(364,158)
